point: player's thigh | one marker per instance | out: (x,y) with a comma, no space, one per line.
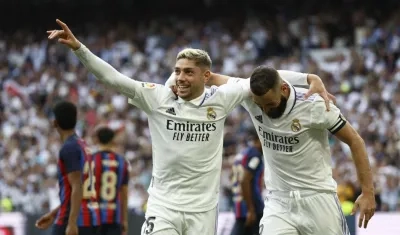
(111,229)
(326,212)
(158,225)
(276,225)
(201,223)
(276,219)
(160,220)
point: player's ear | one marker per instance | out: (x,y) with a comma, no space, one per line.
(207,75)
(284,87)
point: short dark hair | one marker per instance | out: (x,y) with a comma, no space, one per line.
(66,115)
(105,135)
(263,79)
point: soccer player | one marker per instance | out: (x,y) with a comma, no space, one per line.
(294,129)
(111,172)
(187,137)
(247,179)
(78,211)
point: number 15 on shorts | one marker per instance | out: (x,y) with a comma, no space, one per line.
(149,225)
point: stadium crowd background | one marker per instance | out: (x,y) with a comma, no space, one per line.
(360,66)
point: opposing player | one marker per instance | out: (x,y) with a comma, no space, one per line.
(247,185)
(111,172)
(294,133)
(187,137)
(79,210)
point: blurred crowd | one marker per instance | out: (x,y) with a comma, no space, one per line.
(361,67)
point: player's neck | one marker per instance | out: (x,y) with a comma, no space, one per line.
(106,147)
(65,134)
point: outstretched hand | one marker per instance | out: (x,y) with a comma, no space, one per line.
(65,36)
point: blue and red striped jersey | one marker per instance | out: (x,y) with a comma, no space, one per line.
(251,159)
(75,156)
(111,172)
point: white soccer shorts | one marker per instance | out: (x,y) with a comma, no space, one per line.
(163,221)
(303,213)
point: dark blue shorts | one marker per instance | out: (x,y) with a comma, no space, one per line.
(240,229)
(110,229)
(60,230)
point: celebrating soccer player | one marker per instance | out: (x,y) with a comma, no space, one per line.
(293,128)
(78,212)
(111,172)
(187,136)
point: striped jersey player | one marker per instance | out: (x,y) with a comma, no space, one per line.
(247,187)
(79,210)
(111,172)
(75,156)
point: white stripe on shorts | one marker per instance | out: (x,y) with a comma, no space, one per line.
(345,229)
(216,220)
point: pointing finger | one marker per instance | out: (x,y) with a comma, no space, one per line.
(55,34)
(63,26)
(51,36)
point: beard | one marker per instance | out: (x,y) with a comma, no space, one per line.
(278,111)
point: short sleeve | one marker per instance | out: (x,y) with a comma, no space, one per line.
(294,78)
(148,95)
(235,91)
(71,155)
(332,120)
(252,163)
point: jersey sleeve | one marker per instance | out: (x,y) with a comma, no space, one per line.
(252,163)
(333,120)
(148,96)
(72,157)
(235,91)
(141,94)
(294,78)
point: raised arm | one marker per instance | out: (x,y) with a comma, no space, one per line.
(102,70)
(142,95)
(217,79)
(295,78)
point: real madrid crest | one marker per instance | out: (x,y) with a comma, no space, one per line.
(211,114)
(296,126)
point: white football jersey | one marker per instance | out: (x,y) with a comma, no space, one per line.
(187,136)
(296,150)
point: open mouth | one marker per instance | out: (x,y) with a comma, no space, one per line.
(183,88)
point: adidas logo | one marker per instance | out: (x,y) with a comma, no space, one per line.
(171,111)
(259,118)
